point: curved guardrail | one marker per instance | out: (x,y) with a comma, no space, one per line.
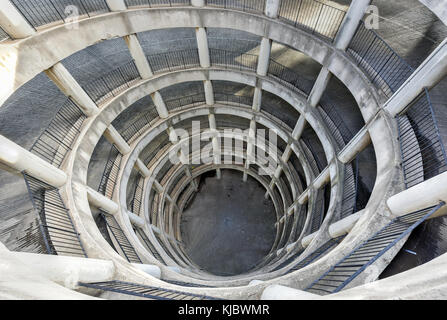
(353,264)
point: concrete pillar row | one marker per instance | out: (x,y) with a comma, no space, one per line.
(13,22)
(272,8)
(116,5)
(114,137)
(138,55)
(20,159)
(264,57)
(71,88)
(202,45)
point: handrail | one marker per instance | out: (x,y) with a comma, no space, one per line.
(58,233)
(385,68)
(41,12)
(156,3)
(148,244)
(313,16)
(120,237)
(56,141)
(112,83)
(110,174)
(257,6)
(422,149)
(144,291)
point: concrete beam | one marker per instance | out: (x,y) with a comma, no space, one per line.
(70,87)
(202,45)
(138,55)
(209,92)
(198,3)
(272,8)
(100,201)
(278,292)
(116,5)
(429,73)
(115,138)
(160,105)
(20,159)
(136,220)
(142,168)
(264,56)
(423,195)
(12,21)
(349,26)
(360,141)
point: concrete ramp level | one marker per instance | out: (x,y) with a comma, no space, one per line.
(340,275)
(144,291)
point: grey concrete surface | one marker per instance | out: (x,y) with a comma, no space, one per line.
(229,226)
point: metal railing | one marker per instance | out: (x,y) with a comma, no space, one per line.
(317,254)
(190,100)
(385,68)
(144,291)
(187,284)
(120,237)
(56,141)
(174,60)
(59,235)
(353,264)
(137,198)
(318,212)
(350,190)
(289,77)
(112,83)
(241,5)
(110,174)
(301,221)
(42,12)
(312,16)
(157,3)
(233,60)
(148,244)
(337,127)
(422,149)
(132,132)
(311,157)
(4,35)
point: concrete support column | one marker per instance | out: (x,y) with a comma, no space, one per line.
(251,144)
(116,5)
(264,57)
(70,87)
(257,99)
(215,142)
(142,168)
(351,22)
(429,73)
(138,55)
(198,3)
(299,128)
(13,22)
(160,105)
(355,146)
(320,85)
(114,137)
(209,92)
(202,45)
(100,201)
(272,8)
(135,219)
(20,159)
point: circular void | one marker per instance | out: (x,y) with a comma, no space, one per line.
(228,226)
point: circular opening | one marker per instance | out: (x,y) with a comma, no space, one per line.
(229,226)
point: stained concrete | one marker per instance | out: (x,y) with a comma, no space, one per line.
(229,226)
